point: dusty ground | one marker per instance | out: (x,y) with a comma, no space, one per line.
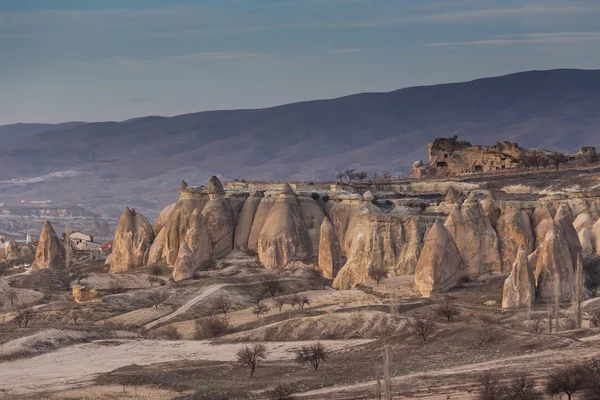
(117,349)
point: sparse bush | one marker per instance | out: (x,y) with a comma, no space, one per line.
(448,310)
(489,388)
(302,301)
(212,326)
(315,354)
(315,196)
(170,333)
(568,380)
(260,308)
(222,303)
(280,302)
(281,392)
(377,273)
(23,315)
(522,388)
(422,326)
(250,355)
(157,297)
(272,285)
(536,325)
(292,300)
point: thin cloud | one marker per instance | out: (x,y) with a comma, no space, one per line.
(529,38)
(347,51)
(215,56)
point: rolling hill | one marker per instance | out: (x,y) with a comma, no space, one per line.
(556,109)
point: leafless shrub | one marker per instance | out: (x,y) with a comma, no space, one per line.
(522,388)
(302,301)
(23,314)
(260,308)
(292,300)
(281,392)
(568,324)
(272,285)
(170,333)
(377,273)
(315,354)
(536,325)
(250,355)
(280,302)
(12,296)
(157,297)
(212,326)
(222,303)
(448,310)
(422,326)
(568,380)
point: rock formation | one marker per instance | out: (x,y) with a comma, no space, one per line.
(514,231)
(452,196)
(284,237)
(83,294)
(131,245)
(12,250)
(218,219)
(184,265)
(519,287)
(260,217)
(440,264)
(330,251)
(596,234)
(586,239)
(344,217)
(50,252)
(197,240)
(564,221)
(246,219)
(553,265)
(583,220)
(490,212)
(475,238)
(313,215)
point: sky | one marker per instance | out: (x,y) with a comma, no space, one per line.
(99,60)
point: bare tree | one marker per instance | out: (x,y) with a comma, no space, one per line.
(340,176)
(349,174)
(250,355)
(79,275)
(260,308)
(377,273)
(317,278)
(271,285)
(361,175)
(374,176)
(522,388)
(222,303)
(387,375)
(280,302)
(422,326)
(23,314)
(75,316)
(387,175)
(281,392)
(489,388)
(12,296)
(212,326)
(568,380)
(157,297)
(302,301)
(293,299)
(315,354)
(448,310)
(155,273)
(556,159)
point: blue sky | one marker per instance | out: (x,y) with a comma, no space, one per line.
(97,60)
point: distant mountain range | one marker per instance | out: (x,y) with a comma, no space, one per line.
(142,159)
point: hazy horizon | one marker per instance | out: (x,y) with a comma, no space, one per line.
(81,60)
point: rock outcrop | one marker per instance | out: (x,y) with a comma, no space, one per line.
(596,234)
(197,240)
(50,252)
(475,239)
(260,217)
(83,294)
(514,231)
(553,266)
(246,219)
(330,251)
(519,287)
(284,237)
(440,264)
(12,250)
(586,239)
(184,265)
(583,220)
(218,219)
(131,245)
(564,221)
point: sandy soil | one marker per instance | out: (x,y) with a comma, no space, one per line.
(78,365)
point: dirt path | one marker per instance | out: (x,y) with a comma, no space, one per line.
(78,365)
(537,364)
